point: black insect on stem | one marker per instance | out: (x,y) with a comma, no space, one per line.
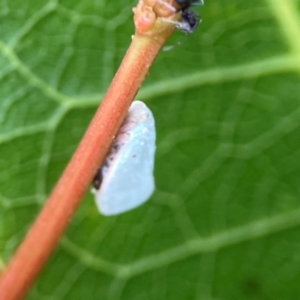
(190,21)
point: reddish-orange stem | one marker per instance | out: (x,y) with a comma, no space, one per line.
(62,203)
(151,33)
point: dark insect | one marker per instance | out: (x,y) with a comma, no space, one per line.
(190,21)
(184,4)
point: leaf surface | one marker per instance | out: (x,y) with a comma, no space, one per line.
(225,218)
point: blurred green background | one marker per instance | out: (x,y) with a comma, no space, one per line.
(224,222)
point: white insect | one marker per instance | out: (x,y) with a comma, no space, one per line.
(126,180)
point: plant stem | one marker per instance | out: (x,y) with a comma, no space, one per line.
(49,226)
(75,180)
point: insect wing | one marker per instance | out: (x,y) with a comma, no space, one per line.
(187,3)
(197,2)
(129,181)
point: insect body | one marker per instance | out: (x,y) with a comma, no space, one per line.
(125,181)
(190,19)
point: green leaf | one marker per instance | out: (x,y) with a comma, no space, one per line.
(224,220)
